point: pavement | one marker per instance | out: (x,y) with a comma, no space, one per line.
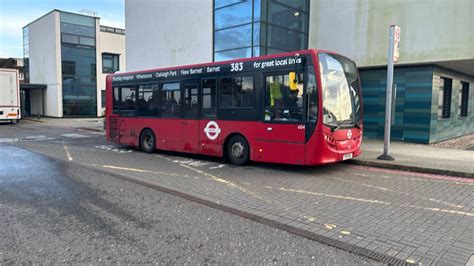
(393,216)
(418,158)
(93,124)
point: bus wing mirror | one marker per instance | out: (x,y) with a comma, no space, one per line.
(293,81)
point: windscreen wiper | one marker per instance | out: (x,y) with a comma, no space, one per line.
(343,123)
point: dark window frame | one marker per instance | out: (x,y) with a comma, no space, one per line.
(114,68)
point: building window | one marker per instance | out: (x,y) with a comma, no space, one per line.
(464,99)
(26,55)
(78,55)
(110,63)
(237,92)
(444,100)
(246,28)
(102,98)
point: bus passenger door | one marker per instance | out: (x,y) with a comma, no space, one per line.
(281,136)
(190,122)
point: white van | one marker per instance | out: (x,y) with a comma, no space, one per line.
(9,95)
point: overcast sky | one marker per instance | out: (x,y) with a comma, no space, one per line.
(15,14)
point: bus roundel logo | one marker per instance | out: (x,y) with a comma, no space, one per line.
(349,134)
(212,130)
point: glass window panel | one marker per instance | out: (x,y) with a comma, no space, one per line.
(233,54)
(247,92)
(282,103)
(221,3)
(66,38)
(87,41)
(312,97)
(287,17)
(170,100)
(69,68)
(148,100)
(236,91)
(77,30)
(259,33)
(190,101)
(77,19)
(79,81)
(284,39)
(115,102)
(127,101)
(233,38)
(209,98)
(226,93)
(298,4)
(257,4)
(233,15)
(259,50)
(110,63)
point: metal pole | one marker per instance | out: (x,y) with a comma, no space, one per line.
(388,99)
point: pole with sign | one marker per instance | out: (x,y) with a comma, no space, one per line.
(393,56)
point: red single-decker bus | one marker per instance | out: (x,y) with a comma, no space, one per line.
(301,107)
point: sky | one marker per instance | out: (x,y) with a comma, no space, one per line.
(15,14)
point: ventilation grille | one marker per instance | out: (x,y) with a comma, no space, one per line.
(113,128)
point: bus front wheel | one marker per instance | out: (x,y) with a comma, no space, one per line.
(238,150)
(147,141)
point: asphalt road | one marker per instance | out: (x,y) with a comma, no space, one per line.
(388,215)
(56,212)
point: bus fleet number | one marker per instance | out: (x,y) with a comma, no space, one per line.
(236,67)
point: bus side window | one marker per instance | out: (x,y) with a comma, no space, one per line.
(312,93)
(170,100)
(148,100)
(127,101)
(190,101)
(237,92)
(208,109)
(281,102)
(116,100)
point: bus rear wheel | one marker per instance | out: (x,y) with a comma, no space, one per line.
(238,150)
(147,141)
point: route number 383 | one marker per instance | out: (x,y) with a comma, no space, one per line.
(236,67)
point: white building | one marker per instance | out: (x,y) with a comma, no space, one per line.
(71,54)
(433,77)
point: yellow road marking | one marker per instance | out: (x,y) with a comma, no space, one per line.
(69,157)
(329,226)
(221,180)
(142,170)
(470,214)
(335,196)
